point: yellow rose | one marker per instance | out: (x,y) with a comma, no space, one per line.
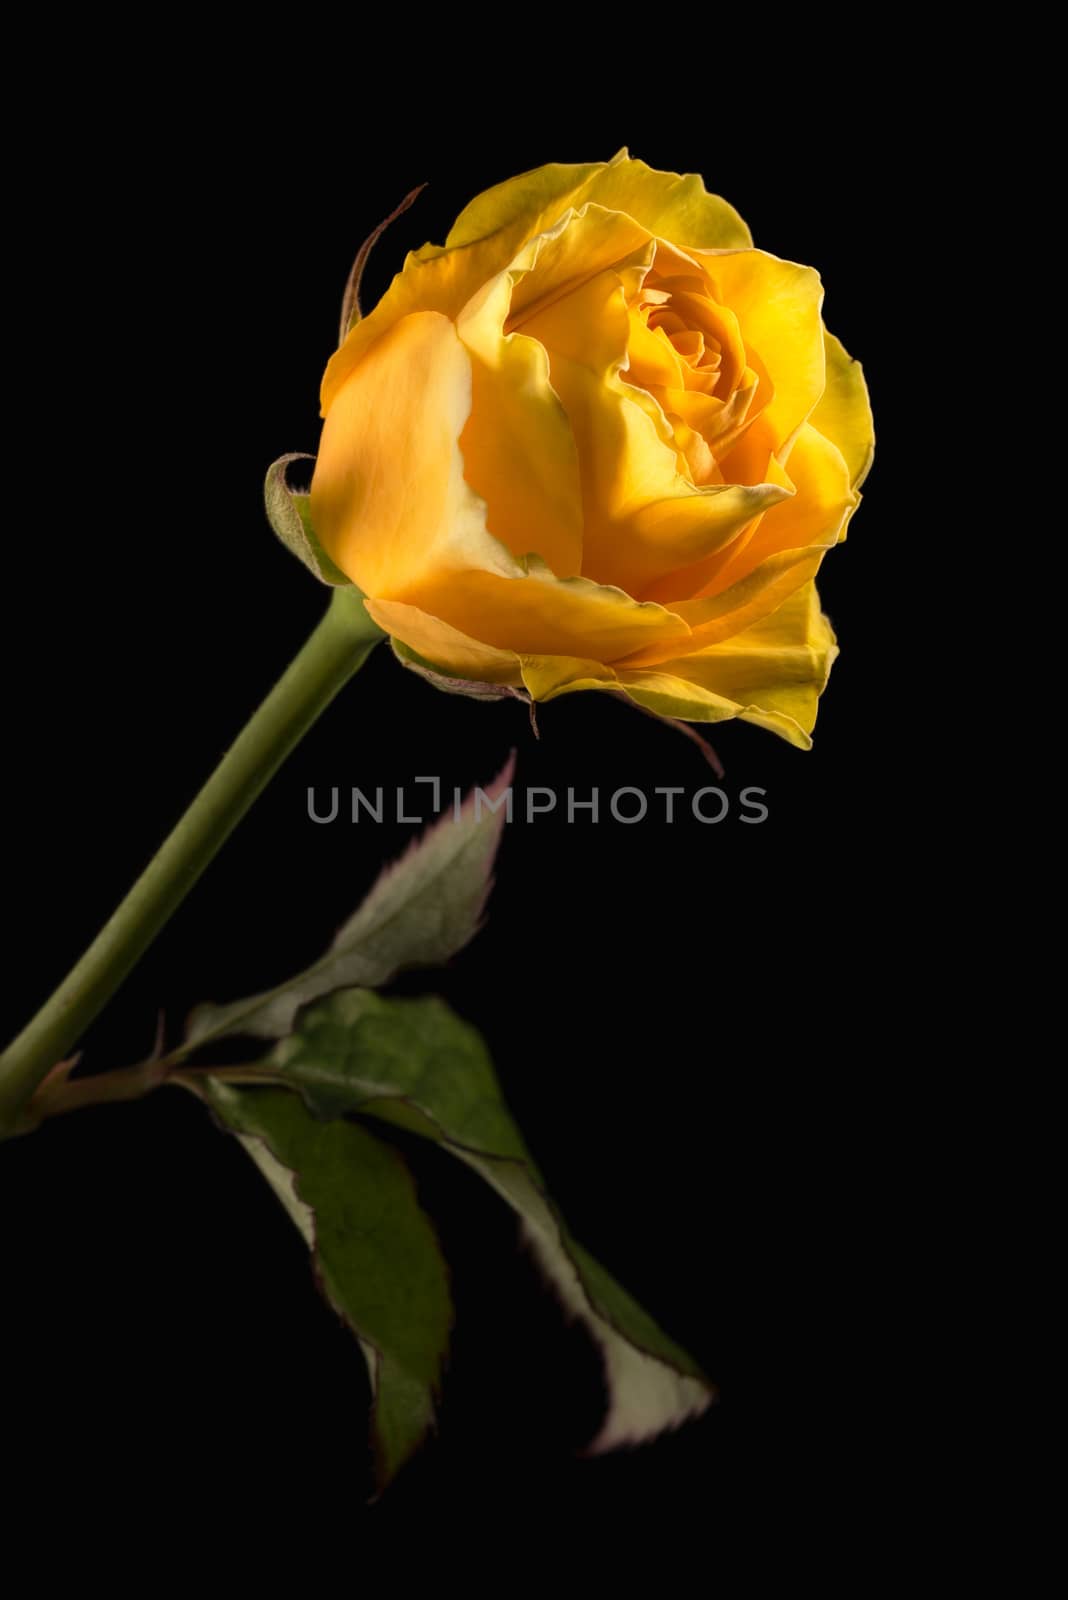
(599,441)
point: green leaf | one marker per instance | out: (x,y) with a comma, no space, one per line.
(415,1064)
(289,516)
(374,1252)
(420,912)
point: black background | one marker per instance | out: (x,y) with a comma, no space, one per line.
(687,1019)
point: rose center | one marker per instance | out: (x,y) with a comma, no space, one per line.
(686,352)
(700,352)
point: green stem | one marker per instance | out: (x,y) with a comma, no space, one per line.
(132,1083)
(339,645)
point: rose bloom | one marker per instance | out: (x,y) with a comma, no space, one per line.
(598,441)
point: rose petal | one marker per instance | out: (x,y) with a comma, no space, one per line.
(388,498)
(676,208)
(542,614)
(518,450)
(444,283)
(531,202)
(813,517)
(443,646)
(545,677)
(772,674)
(780,551)
(777,304)
(643,518)
(391,507)
(721,616)
(485,239)
(583,244)
(495,226)
(843,414)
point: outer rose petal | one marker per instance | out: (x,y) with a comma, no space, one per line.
(453,652)
(781,552)
(678,208)
(391,507)
(388,498)
(772,674)
(544,677)
(813,519)
(518,449)
(843,415)
(541,614)
(744,604)
(445,283)
(520,207)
